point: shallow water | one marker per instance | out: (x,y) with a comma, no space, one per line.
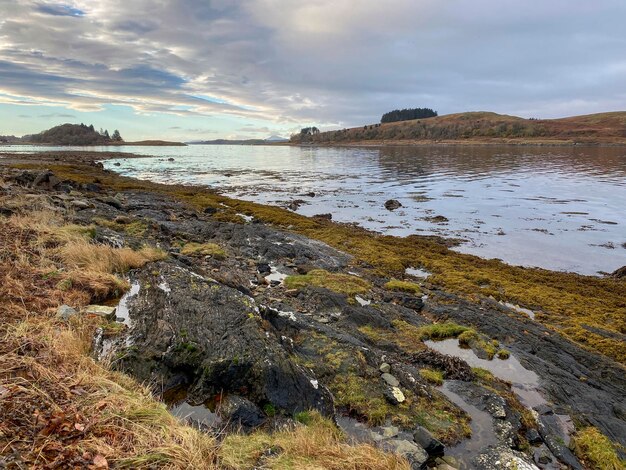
(555,207)
(524,382)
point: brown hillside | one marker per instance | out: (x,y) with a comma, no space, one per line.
(482,127)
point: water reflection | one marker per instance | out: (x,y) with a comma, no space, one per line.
(554,207)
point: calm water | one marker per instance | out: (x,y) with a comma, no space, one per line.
(558,208)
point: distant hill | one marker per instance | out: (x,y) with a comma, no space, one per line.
(480,127)
(276,138)
(73,134)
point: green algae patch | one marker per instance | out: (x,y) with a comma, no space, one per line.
(596,450)
(337,282)
(403,286)
(203,249)
(472,339)
(432,376)
(569,303)
(439,331)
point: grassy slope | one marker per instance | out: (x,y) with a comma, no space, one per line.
(486,127)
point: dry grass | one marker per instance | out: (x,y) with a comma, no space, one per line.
(596,451)
(83,255)
(319,445)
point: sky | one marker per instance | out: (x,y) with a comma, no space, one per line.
(207,69)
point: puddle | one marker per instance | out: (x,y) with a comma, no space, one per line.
(417,272)
(524,382)
(196,415)
(275,275)
(122,309)
(519,309)
(362,301)
(483,434)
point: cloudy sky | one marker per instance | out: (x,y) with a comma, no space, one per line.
(205,69)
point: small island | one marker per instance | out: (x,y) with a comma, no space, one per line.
(81,135)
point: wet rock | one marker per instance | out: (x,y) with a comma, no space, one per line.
(209,210)
(390,379)
(392,204)
(552,434)
(170,159)
(416,456)
(542,456)
(408,301)
(100,311)
(425,439)
(309,194)
(241,412)
(211,337)
(65,312)
(323,216)
(117,164)
(385,368)
(544,409)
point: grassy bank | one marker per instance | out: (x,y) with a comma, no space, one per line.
(61,409)
(589,310)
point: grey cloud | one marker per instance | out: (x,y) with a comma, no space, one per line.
(331,62)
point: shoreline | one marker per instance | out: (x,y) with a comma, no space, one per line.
(463,289)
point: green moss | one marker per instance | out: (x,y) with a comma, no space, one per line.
(596,450)
(433,376)
(203,249)
(403,286)
(503,354)
(337,282)
(304,417)
(269,409)
(135,228)
(403,334)
(471,338)
(483,374)
(438,331)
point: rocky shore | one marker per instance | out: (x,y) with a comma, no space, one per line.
(253,326)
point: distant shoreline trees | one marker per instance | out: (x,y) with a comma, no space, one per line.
(407,114)
(74,134)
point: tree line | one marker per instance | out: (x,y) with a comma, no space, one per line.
(407,114)
(75,134)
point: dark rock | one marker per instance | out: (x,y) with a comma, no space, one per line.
(533,436)
(309,194)
(544,409)
(425,439)
(117,164)
(170,159)
(241,412)
(619,273)
(295,204)
(111,201)
(46,180)
(106,236)
(92,187)
(416,456)
(264,268)
(210,210)
(323,216)
(212,334)
(392,204)
(6,212)
(552,434)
